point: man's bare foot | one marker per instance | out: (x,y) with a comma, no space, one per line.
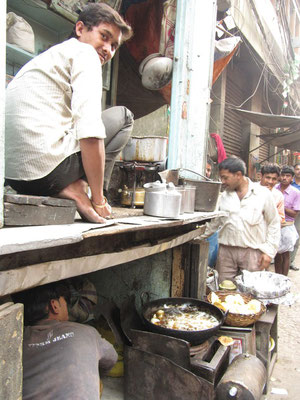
(78,191)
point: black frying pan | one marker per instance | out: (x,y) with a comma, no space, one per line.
(194,337)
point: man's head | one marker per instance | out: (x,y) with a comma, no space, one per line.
(269,175)
(44,302)
(297,171)
(286,175)
(232,171)
(102,27)
(208,168)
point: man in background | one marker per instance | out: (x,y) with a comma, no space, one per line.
(296,184)
(61,359)
(291,209)
(249,234)
(270,174)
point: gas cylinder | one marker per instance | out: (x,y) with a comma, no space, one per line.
(244,379)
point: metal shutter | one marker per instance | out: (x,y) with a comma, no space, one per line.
(232,136)
(264,151)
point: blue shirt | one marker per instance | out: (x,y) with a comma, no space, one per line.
(295,184)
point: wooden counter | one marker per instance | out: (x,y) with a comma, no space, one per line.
(31,256)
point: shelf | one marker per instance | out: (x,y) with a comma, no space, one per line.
(38,11)
(17,56)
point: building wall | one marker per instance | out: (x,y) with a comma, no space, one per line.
(2,100)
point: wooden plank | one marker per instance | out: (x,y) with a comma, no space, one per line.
(199,259)
(27,215)
(147,222)
(11,328)
(177,284)
(38,200)
(15,280)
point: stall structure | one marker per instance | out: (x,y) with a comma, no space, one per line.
(131,255)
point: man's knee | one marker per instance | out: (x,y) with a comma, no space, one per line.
(129,116)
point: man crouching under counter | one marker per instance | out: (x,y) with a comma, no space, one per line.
(61,359)
(57,142)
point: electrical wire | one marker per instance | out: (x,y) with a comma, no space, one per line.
(264,73)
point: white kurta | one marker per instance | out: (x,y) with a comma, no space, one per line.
(52,103)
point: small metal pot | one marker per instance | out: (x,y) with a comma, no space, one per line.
(127,195)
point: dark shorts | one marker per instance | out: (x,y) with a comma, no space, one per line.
(67,172)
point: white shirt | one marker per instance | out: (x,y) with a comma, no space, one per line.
(52,103)
(251,222)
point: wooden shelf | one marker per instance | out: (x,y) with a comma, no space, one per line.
(39,11)
(15,55)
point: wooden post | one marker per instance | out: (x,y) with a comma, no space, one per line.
(2,100)
(198,263)
(179,271)
(11,372)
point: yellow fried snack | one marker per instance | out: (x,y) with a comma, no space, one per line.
(226,340)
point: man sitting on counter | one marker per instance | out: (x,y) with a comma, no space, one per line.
(57,143)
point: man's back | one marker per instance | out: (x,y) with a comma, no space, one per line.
(60,361)
(50,104)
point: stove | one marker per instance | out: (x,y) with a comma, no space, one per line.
(136,174)
(162,367)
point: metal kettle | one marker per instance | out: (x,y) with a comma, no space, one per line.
(162,200)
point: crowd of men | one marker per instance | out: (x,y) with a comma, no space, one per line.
(262,221)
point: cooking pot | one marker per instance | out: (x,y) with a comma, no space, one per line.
(127,195)
(145,149)
(156,71)
(194,337)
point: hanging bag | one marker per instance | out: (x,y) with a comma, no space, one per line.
(19,32)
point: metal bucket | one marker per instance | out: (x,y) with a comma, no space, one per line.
(207,193)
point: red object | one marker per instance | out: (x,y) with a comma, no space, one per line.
(220,147)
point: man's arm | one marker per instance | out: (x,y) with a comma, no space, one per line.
(270,246)
(290,212)
(93,159)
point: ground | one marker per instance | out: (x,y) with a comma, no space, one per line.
(286,374)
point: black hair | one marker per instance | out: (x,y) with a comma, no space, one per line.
(296,165)
(209,161)
(233,165)
(37,300)
(94,14)
(270,169)
(286,169)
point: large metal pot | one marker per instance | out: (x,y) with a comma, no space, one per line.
(194,337)
(145,149)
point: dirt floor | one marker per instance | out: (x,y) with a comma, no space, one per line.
(286,374)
